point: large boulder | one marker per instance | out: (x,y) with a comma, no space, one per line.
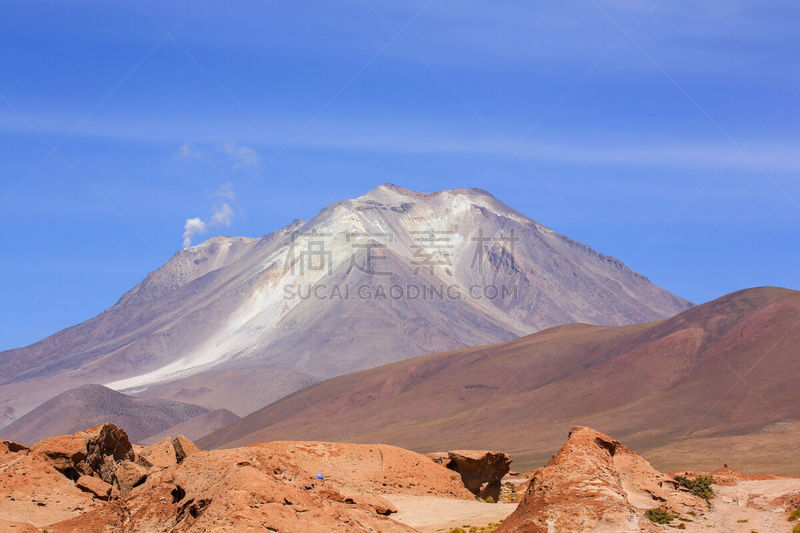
(594,483)
(66,453)
(93,452)
(67,475)
(166,452)
(128,475)
(481,471)
(95,486)
(158,455)
(106,449)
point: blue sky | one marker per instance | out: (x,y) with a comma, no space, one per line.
(663,133)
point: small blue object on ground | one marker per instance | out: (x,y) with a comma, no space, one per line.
(320,477)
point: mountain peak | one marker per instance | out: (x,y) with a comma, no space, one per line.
(442,203)
(388,275)
(391,191)
(468,191)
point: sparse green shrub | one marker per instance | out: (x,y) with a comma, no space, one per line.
(466,528)
(660,515)
(489,499)
(794,515)
(699,486)
(796,528)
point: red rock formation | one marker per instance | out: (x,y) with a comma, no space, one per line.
(94,481)
(92,452)
(481,471)
(272,486)
(594,483)
(33,491)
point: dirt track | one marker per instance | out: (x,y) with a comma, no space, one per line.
(430,514)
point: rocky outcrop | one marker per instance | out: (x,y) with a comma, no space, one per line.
(273,487)
(64,476)
(93,452)
(594,483)
(107,450)
(481,471)
(183,448)
(6,446)
(95,480)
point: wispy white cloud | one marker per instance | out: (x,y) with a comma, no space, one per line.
(242,155)
(622,149)
(187,152)
(225,191)
(237,155)
(222,215)
(775,154)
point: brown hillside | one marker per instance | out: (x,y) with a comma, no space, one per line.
(725,368)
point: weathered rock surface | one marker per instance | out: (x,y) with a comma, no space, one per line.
(166,452)
(33,491)
(128,475)
(594,483)
(95,486)
(372,468)
(17,527)
(158,455)
(481,471)
(107,450)
(183,448)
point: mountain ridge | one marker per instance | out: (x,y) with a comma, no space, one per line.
(93,404)
(223,303)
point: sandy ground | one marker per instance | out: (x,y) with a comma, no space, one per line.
(730,511)
(430,514)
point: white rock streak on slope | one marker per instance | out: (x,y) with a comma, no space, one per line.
(266,306)
(395,218)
